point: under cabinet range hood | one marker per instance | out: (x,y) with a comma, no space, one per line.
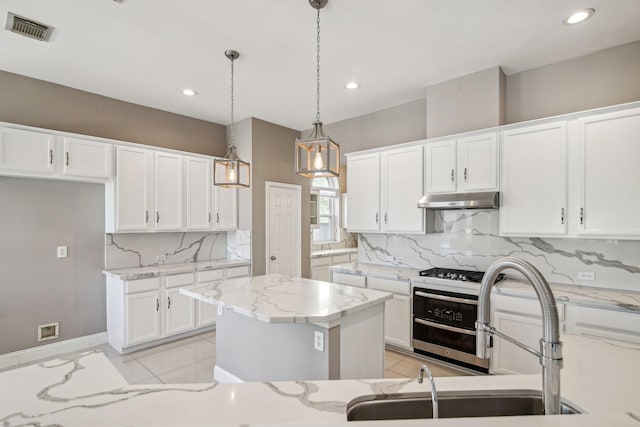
(484,200)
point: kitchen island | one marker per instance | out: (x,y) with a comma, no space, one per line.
(278,328)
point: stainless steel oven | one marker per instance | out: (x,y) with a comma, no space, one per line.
(445,309)
(444,325)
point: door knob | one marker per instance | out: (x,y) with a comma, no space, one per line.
(273,258)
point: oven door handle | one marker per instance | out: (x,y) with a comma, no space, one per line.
(446,298)
(445,327)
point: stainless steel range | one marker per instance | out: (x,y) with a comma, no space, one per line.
(445,308)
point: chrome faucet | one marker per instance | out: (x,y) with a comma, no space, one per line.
(550,354)
(432,385)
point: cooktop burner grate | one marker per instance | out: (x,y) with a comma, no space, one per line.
(461,275)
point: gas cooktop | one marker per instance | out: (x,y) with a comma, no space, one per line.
(460,275)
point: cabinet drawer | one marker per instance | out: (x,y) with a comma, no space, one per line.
(394,286)
(349,279)
(323,260)
(238,271)
(210,275)
(608,319)
(142,285)
(340,259)
(179,280)
(523,306)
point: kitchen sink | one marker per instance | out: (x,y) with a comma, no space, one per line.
(492,403)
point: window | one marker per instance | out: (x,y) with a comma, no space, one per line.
(328,209)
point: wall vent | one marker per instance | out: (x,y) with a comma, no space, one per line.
(50,331)
(28,28)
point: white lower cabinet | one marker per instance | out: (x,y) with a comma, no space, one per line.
(610,325)
(397,311)
(142,319)
(508,358)
(320,266)
(140,312)
(180,314)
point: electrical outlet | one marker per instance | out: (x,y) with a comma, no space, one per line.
(319,341)
(399,260)
(586,275)
(62,251)
(161,257)
(220,311)
(389,258)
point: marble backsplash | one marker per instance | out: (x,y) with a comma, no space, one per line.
(239,244)
(347,240)
(141,249)
(468,239)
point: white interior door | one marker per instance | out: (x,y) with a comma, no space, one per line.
(283,229)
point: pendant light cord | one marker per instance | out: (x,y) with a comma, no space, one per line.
(231,143)
(318,69)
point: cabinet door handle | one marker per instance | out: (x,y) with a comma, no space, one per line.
(67,158)
(146,217)
(562,216)
(157,304)
(386,217)
(209,217)
(581,216)
(50,157)
(168,303)
(217,218)
(465,174)
(376,217)
(157,216)
(452,172)
(273,258)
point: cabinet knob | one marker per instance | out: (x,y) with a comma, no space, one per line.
(376,217)
(386,217)
(465,174)
(146,217)
(168,303)
(50,157)
(157,304)
(562,216)
(157,216)
(273,258)
(217,218)
(581,216)
(209,217)
(452,172)
(67,158)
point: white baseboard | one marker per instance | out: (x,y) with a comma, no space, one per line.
(50,350)
(223,376)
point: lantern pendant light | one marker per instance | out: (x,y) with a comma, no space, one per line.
(317,155)
(230,171)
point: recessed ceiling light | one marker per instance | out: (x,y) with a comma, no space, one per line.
(352,85)
(189,92)
(579,16)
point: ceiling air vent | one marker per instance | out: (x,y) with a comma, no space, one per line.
(28,28)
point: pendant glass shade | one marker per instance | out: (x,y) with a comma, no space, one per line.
(317,155)
(231,171)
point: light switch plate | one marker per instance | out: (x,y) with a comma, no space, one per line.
(319,341)
(62,251)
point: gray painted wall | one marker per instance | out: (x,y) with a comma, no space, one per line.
(37,288)
(273,154)
(38,103)
(608,77)
(474,101)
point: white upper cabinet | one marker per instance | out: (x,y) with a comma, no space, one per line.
(198,182)
(466,164)
(27,152)
(168,191)
(478,163)
(363,184)
(608,175)
(441,166)
(384,188)
(533,176)
(87,159)
(129,198)
(402,185)
(225,208)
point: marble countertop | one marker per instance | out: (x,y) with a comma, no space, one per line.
(328,252)
(136,273)
(278,298)
(583,295)
(86,390)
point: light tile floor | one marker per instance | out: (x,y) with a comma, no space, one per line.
(191,360)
